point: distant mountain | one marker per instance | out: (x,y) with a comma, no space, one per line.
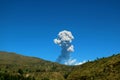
(19,67)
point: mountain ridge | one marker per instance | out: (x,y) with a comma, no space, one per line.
(106,68)
(12,62)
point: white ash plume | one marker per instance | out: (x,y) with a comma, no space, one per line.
(64,40)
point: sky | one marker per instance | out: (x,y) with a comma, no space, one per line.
(28,27)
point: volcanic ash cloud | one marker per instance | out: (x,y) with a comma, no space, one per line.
(64,40)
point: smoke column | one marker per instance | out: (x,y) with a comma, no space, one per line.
(64,40)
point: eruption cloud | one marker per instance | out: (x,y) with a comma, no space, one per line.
(64,40)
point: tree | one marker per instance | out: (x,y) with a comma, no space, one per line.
(20,71)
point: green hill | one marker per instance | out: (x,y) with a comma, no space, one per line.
(32,66)
(18,67)
(100,69)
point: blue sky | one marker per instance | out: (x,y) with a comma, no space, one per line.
(28,27)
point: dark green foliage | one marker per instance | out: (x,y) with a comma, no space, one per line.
(20,71)
(8,76)
(45,78)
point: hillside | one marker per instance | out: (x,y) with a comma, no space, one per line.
(19,67)
(40,69)
(100,69)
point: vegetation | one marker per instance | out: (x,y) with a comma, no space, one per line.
(14,64)
(8,76)
(17,67)
(100,69)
